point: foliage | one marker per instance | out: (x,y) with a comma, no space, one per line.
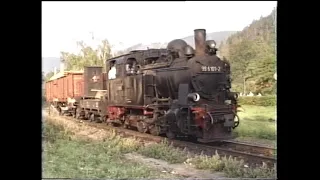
(258,100)
(87,56)
(251,53)
(232,167)
(165,152)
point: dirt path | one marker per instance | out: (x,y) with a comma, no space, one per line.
(184,170)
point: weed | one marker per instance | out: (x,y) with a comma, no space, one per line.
(67,157)
(80,158)
(232,167)
(165,152)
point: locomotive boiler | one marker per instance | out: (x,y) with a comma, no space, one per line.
(177,91)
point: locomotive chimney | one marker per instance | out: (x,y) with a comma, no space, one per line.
(200,41)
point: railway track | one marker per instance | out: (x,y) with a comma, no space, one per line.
(251,148)
(251,153)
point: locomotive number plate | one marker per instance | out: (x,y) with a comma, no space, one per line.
(211,68)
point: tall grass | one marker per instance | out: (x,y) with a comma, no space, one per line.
(258,122)
(66,157)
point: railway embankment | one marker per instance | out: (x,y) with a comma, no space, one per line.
(74,149)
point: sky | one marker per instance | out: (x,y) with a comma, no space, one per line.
(128,23)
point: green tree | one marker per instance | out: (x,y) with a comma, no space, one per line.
(251,53)
(87,56)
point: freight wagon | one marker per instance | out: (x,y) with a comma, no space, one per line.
(65,89)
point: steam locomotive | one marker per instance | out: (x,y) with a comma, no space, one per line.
(177,91)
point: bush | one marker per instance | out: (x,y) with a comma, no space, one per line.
(258,100)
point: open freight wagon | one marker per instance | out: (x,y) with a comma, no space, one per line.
(65,89)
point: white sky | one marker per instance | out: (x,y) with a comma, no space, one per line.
(129,23)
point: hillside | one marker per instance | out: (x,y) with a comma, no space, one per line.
(217,36)
(251,53)
(48,64)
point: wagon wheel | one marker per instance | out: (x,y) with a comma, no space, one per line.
(74,114)
(91,118)
(60,112)
(110,123)
(141,128)
(86,116)
(100,119)
(77,115)
(155,130)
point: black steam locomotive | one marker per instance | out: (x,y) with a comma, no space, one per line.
(177,91)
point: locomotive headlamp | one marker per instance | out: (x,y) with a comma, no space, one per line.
(194,97)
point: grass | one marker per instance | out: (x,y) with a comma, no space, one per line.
(67,154)
(231,167)
(66,157)
(165,152)
(257,122)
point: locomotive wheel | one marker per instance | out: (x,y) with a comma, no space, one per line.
(192,138)
(141,128)
(170,135)
(155,130)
